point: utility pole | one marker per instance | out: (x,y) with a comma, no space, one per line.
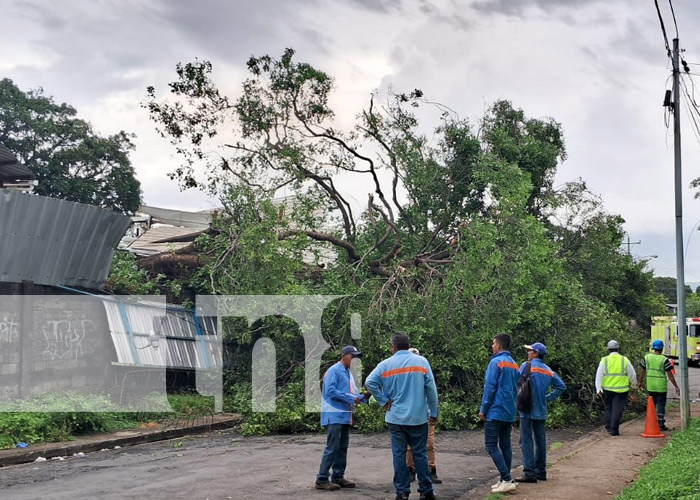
(629,243)
(680,265)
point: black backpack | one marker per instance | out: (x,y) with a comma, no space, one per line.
(524,399)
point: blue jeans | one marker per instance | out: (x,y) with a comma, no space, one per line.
(417,437)
(534,451)
(497,440)
(336,453)
(659,399)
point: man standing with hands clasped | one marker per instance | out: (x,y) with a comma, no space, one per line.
(532,423)
(613,379)
(404,385)
(340,395)
(498,410)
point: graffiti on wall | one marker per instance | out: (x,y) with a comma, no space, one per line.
(68,338)
(9,330)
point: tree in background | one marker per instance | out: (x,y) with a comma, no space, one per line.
(462,234)
(69,159)
(667,287)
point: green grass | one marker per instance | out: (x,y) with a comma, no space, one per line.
(674,473)
(19,424)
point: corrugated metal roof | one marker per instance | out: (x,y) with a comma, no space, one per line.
(184,339)
(163,239)
(56,242)
(10,168)
(178,218)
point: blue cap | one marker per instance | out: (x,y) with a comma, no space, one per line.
(657,345)
(351,349)
(538,347)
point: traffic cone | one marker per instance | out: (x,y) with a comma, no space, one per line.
(651,429)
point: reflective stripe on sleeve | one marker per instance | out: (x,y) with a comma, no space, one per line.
(508,364)
(542,371)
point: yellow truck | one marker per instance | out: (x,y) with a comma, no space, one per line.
(665,328)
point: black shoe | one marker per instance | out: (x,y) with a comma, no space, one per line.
(541,478)
(402,496)
(428,495)
(614,433)
(434,477)
(326,485)
(525,479)
(343,483)
(412,473)
(664,428)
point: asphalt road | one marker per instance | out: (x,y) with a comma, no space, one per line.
(225,465)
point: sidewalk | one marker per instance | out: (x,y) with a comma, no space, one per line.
(96,442)
(596,466)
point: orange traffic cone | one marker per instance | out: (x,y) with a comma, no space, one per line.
(651,429)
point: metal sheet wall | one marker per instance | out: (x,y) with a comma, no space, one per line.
(56,242)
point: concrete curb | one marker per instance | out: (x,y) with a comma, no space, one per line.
(102,441)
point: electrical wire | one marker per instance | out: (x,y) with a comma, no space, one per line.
(692,111)
(663,28)
(673,13)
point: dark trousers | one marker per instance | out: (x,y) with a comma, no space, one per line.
(533,444)
(335,455)
(417,437)
(497,441)
(615,403)
(659,399)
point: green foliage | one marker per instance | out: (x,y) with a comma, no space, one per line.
(69,159)
(290,417)
(69,414)
(481,244)
(673,473)
(127,278)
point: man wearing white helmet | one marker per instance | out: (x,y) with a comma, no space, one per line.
(655,368)
(613,379)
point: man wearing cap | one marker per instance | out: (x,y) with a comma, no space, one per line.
(613,379)
(498,410)
(655,368)
(340,395)
(532,423)
(405,386)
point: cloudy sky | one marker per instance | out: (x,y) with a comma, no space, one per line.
(599,67)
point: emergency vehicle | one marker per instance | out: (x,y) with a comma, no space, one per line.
(665,328)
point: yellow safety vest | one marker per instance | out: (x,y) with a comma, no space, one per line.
(615,376)
(656,376)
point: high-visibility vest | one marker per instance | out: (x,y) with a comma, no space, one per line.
(615,376)
(656,375)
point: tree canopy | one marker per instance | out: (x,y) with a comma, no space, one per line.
(462,234)
(69,159)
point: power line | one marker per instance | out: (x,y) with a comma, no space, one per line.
(663,28)
(673,13)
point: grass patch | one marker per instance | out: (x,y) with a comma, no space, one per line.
(555,446)
(19,424)
(674,473)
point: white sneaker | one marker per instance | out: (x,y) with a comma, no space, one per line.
(494,486)
(505,487)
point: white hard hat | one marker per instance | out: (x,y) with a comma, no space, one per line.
(613,345)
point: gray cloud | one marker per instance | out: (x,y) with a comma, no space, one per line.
(383,6)
(518,7)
